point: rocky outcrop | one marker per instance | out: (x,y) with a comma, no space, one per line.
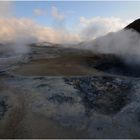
(105,95)
(135,25)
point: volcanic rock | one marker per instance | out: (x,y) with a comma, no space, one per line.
(135,25)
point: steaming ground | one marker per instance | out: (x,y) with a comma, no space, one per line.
(124,43)
(56,92)
(61,91)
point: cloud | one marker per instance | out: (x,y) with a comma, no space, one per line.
(13,29)
(28,31)
(70,12)
(56,14)
(6,8)
(99,26)
(39,12)
(24,29)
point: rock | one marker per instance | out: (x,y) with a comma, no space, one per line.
(61,99)
(135,25)
(3,106)
(105,95)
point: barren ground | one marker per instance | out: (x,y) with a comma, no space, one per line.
(55,92)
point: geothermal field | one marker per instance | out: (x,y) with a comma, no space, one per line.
(72,91)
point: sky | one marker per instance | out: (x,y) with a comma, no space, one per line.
(73,10)
(59,21)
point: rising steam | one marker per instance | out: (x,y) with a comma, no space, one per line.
(124,43)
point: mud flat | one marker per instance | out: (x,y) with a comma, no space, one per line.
(59,66)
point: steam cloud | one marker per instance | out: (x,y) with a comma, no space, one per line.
(99,26)
(23,31)
(124,43)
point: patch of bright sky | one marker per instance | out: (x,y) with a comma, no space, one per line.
(73,10)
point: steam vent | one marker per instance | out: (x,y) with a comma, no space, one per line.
(58,91)
(114,64)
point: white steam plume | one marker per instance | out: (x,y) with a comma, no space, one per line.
(124,43)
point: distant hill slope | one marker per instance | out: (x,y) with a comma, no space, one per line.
(135,25)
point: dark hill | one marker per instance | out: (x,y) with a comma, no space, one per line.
(135,25)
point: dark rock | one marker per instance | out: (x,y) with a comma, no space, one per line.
(61,99)
(41,85)
(116,65)
(39,78)
(138,116)
(134,25)
(106,95)
(3,106)
(2,72)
